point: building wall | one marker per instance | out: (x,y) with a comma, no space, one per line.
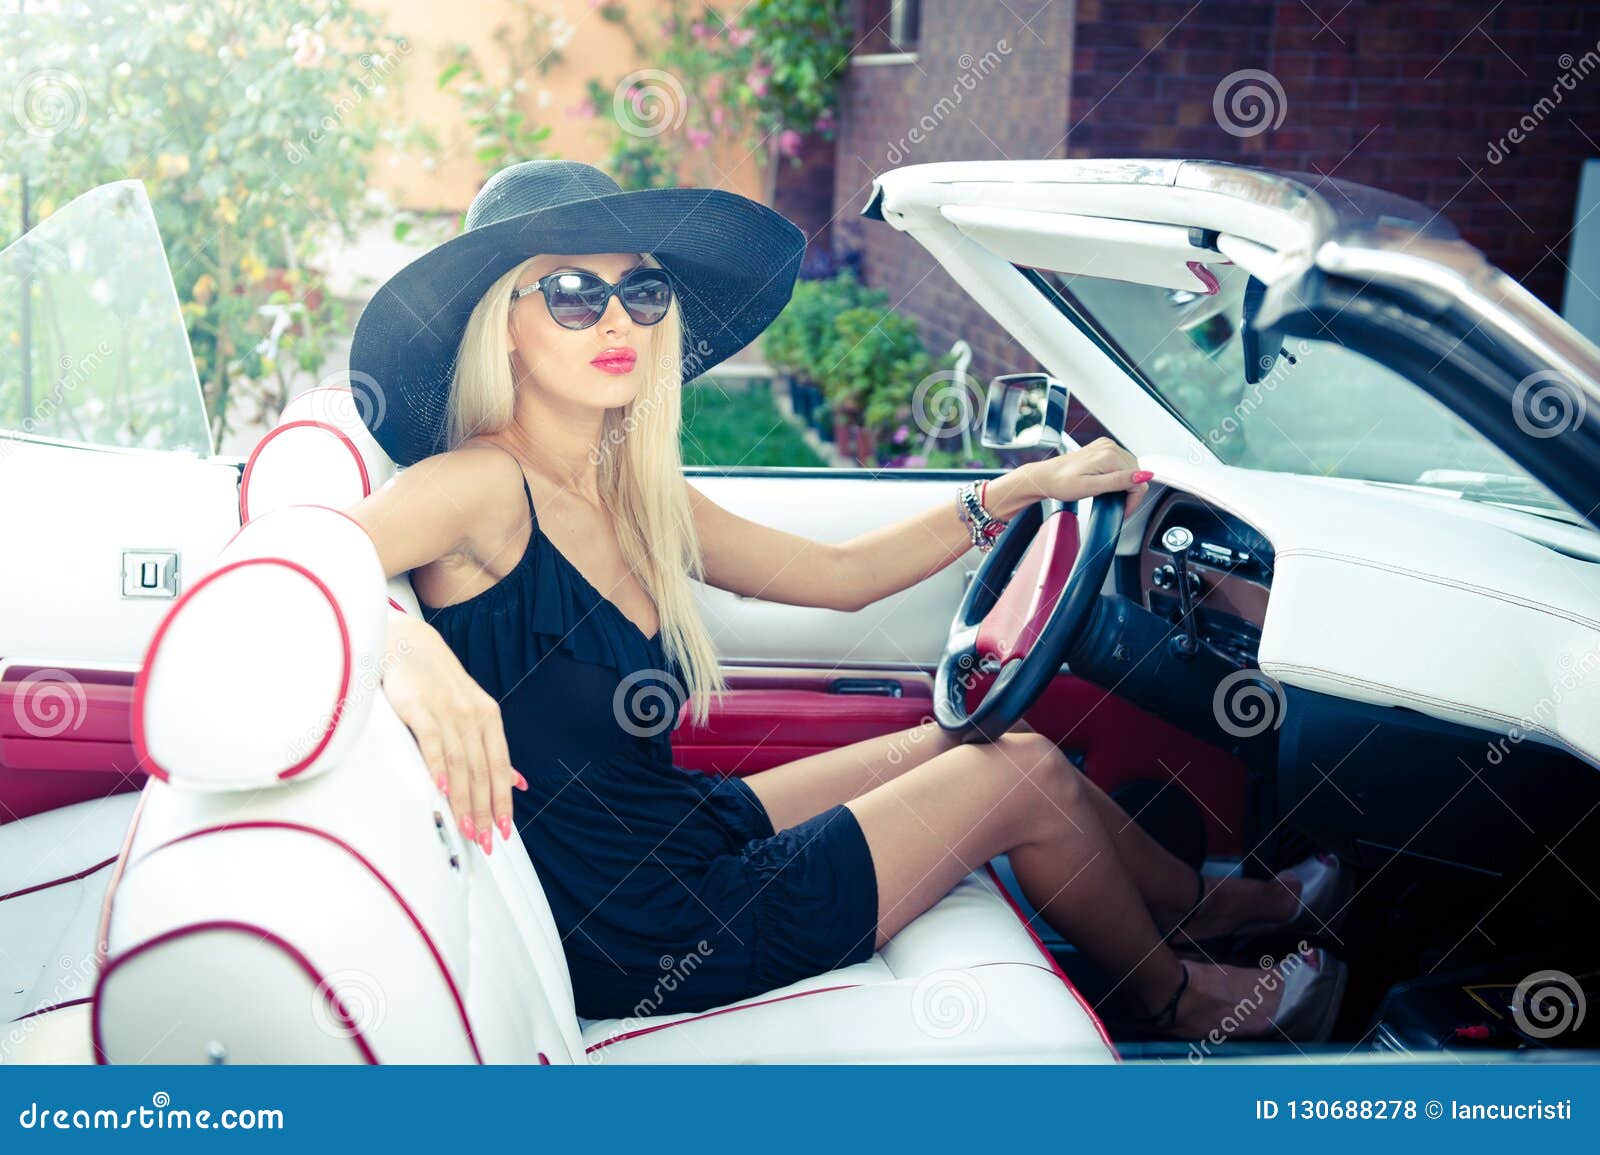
(1404,96)
(1410,97)
(448,179)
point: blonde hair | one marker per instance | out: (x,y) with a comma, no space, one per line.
(640,469)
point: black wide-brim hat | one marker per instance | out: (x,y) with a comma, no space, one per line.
(733,262)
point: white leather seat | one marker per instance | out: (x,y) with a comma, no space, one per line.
(294,890)
(54,869)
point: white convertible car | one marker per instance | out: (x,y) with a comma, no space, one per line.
(1359,611)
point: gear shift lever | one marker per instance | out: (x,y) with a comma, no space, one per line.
(1177,541)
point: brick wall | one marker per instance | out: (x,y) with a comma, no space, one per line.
(1404,96)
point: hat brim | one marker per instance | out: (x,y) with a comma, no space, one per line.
(734,262)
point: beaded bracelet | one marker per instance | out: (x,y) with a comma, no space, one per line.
(982,525)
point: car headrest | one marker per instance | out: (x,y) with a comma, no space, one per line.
(320,451)
(298,604)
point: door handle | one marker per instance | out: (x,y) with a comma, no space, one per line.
(882,687)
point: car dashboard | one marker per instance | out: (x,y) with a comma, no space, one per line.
(1228,566)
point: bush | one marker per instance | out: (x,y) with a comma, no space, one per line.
(801,341)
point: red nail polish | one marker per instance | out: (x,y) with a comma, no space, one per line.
(486,842)
(444,785)
(1142,475)
(467,829)
(518,780)
(505,827)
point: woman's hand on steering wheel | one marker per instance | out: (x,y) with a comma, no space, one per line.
(1102,466)
(456,724)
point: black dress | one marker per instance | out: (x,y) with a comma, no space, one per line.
(670,888)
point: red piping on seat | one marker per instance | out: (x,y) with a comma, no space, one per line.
(262,935)
(61,1006)
(139,746)
(84,873)
(713,1014)
(104,929)
(438,958)
(1051,959)
(249,466)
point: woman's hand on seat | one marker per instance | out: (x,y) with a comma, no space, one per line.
(457,726)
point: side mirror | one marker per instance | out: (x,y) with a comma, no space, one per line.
(1025,411)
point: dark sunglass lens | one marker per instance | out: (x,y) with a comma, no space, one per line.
(576,299)
(646,294)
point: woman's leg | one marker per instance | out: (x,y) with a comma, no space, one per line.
(797,790)
(1020,796)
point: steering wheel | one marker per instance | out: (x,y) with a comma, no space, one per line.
(1029,603)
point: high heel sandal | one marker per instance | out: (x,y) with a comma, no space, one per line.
(1162,1021)
(1324,895)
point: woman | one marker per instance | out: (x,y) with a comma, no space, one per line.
(527,374)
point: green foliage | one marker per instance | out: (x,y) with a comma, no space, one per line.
(802,340)
(741,427)
(497,106)
(806,44)
(880,360)
(250,124)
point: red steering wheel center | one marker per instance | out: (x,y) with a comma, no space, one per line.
(1015,621)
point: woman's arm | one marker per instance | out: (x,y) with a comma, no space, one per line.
(467,504)
(756,560)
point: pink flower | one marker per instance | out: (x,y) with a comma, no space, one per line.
(584,110)
(825,122)
(916,461)
(714,87)
(698,30)
(699,138)
(739,37)
(756,83)
(717,115)
(901,434)
(597,3)
(789,142)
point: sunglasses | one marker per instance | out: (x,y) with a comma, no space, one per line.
(577,299)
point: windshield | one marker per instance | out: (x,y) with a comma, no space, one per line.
(93,348)
(1319,409)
